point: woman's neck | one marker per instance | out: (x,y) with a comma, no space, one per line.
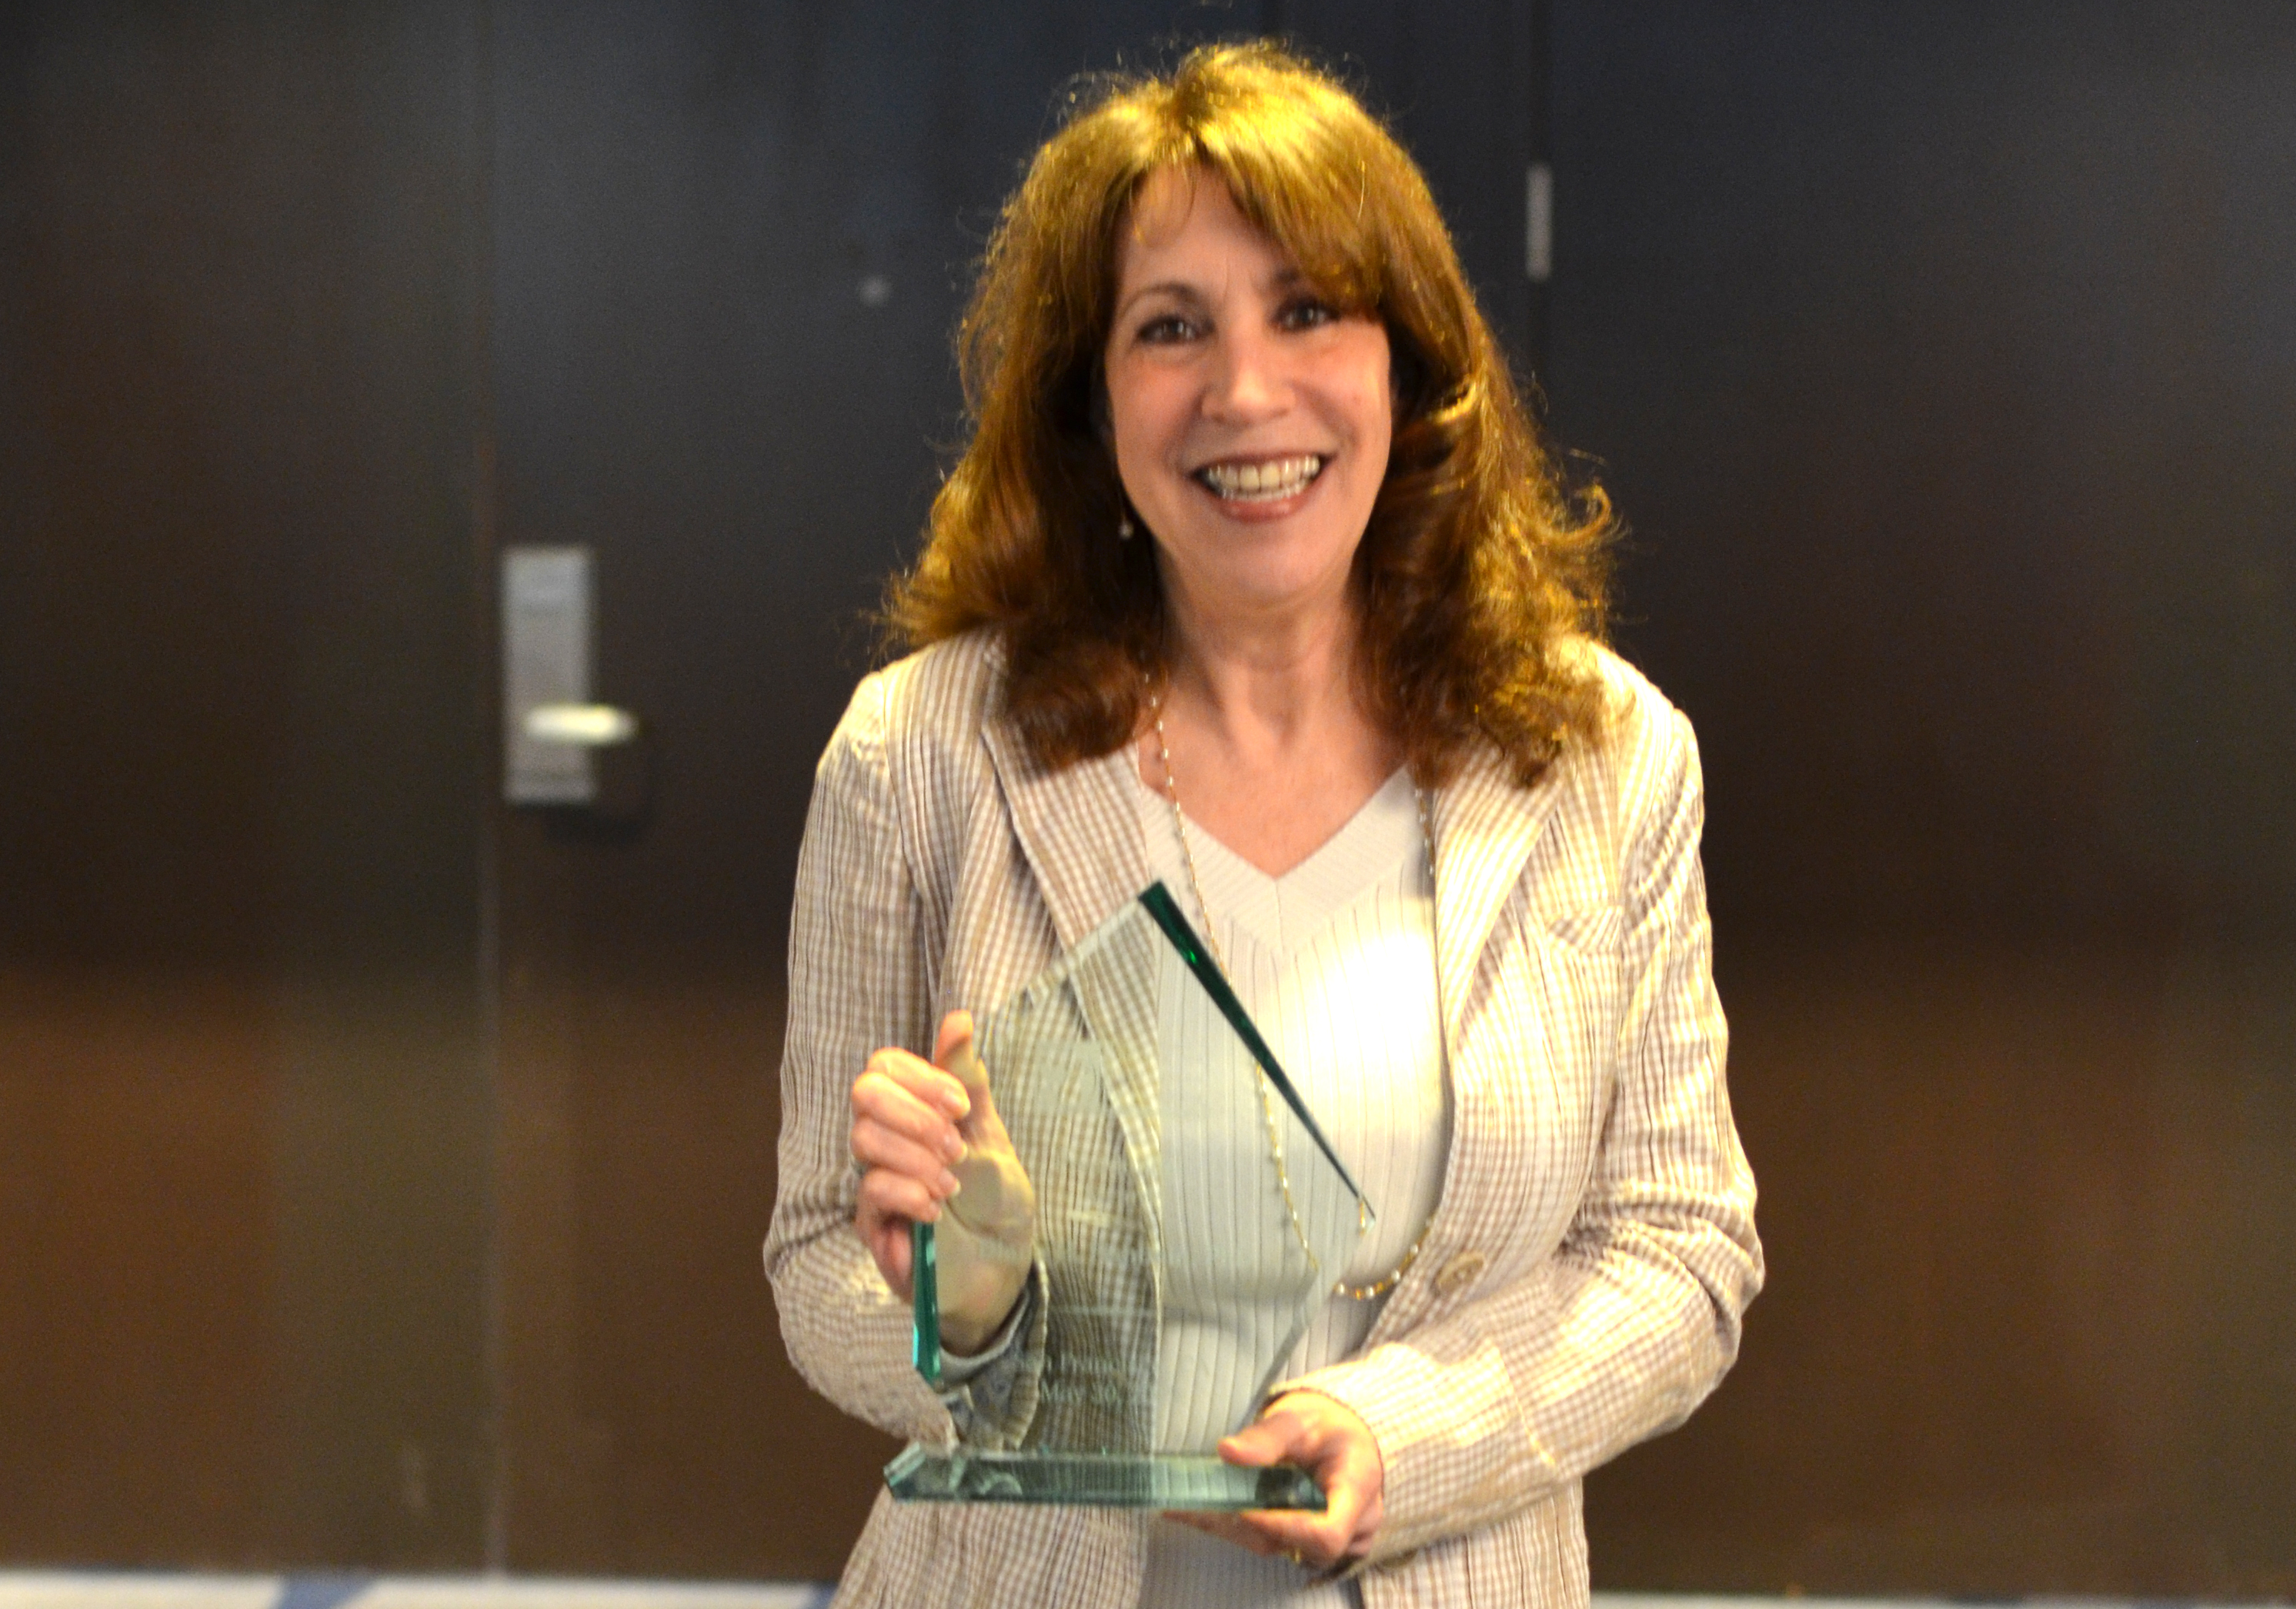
(1269,748)
(1265,681)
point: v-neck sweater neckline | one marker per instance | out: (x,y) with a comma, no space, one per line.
(1283,913)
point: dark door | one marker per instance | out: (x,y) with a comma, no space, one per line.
(1944,360)
(244,1104)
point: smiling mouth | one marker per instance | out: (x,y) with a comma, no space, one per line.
(1265,481)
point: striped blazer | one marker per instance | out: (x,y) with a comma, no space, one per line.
(1581,1283)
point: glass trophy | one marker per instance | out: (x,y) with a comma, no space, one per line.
(1192,1219)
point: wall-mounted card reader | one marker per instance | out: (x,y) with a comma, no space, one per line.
(550,727)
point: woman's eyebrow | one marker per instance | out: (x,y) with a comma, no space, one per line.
(1288,277)
(1178,289)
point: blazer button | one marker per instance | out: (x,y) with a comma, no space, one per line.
(1463,1270)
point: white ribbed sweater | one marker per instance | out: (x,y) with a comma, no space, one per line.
(1336,961)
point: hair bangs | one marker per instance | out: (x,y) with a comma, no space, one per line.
(1297,175)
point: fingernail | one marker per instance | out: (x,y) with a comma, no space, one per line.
(947,1183)
(952,1148)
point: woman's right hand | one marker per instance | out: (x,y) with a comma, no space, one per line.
(934,1151)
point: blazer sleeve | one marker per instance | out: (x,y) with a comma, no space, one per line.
(1631,1322)
(857,981)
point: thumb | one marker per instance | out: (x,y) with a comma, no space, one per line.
(954,1054)
(1260,1443)
(955,1036)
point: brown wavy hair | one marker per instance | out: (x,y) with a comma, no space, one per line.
(1477,568)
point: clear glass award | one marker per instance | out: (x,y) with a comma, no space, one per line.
(1192,1218)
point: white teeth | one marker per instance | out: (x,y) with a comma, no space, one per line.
(1261,482)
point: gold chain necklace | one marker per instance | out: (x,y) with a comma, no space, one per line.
(1389,1280)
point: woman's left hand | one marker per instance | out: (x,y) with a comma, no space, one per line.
(1329,1440)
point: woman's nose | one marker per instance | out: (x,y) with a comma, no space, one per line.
(1247,381)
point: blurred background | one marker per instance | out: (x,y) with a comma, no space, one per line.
(383,1165)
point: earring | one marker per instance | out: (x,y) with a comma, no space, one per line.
(1124,526)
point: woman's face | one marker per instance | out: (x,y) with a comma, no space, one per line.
(1252,421)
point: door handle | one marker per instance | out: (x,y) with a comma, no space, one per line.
(579,726)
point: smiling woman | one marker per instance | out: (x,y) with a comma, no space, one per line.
(1253,579)
(1249,417)
(1476,567)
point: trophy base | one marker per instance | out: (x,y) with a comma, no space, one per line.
(1183,1484)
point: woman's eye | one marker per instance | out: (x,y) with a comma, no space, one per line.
(1305,314)
(1166,329)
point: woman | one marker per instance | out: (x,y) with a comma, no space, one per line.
(1254,577)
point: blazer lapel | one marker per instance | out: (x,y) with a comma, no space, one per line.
(1079,829)
(1485,826)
